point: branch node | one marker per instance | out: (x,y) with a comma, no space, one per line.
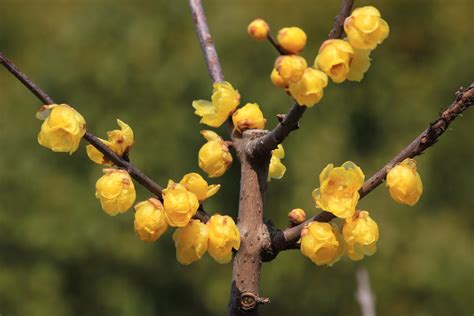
(249,301)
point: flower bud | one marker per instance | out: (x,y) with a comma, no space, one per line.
(365,28)
(150,220)
(214,156)
(359,65)
(309,90)
(404,182)
(334,58)
(191,242)
(277,80)
(180,204)
(248,117)
(290,67)
(297,216)
(338,191)
(116,191)
(360,233)
(120,142)
(258,29)
(224,102)
(62,129)
(292,39)
(223,237)
(277,169)
(196,184)
(322,243)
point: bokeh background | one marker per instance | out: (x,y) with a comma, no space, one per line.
(140,61)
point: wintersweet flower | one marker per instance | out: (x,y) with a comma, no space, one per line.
(120,142)
(334,59)
(361,234)
(309,90)
(404,182)
(292,39)
(322,243)
(338,191)
(365,28)
(277,80)
(277,169)
(62,129)
(191,242)
(150,220)
(224,102)
(290,67)
(248,117)
(180,204)
(223,237)
(297,216)
(196,184)
(258,29)
(359,65)
(214,156)
(116,191)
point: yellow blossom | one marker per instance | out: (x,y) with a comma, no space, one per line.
(120,142)
(277,169)
(359,65)
(62,129)
(223,237)
(191,242)
(365,28)
(322,243)
(248,117)
(277,80)
(290,67)
(116,191)
(334,59)
(309,90)
(404,182)
(297,216)
(258,29)
(338,191)
(196,184)
(292,39)
(214,156)
(360,233)
(180,204)
(224,102)
(150,220)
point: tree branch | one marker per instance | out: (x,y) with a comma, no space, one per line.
(338,27)
(364,294)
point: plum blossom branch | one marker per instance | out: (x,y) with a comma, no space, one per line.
(344,12)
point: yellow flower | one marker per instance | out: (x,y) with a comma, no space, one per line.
(248,117)
(338,192)
(116,191)
(290,67)
(404,182)
(214,156)
(277,80)
(180,204)
(322,243)
(334,59)
(191,242)
(62,129)
(365,28)
(120,142)
(196,184)
(297,216)
(292,39)
(150,220)
(359,65)
(223,237)
(277,169)
(258,29)
(224,101)
(360,233)
(309,89)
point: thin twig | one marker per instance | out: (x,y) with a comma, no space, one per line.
(276,45)
(364,294)
(338,27)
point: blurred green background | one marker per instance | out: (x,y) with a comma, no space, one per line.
(140,61)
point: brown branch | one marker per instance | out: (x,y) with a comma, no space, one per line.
(338,27)
(277,46)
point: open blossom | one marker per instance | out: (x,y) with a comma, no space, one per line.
(225,100)
(334,59)
(62,129)
(258,29)
(404,182)
(223,237)
(290,67)
(180,204)
(292,39)
(322,243)
(309,90)
(214,156)
(150,220)
(277,169)
(116,191)
(277,80)
(196,184)
(191,242)
(120,142)
(359,65)
(338,191)
(365,28)
(248,117)
(361,234)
